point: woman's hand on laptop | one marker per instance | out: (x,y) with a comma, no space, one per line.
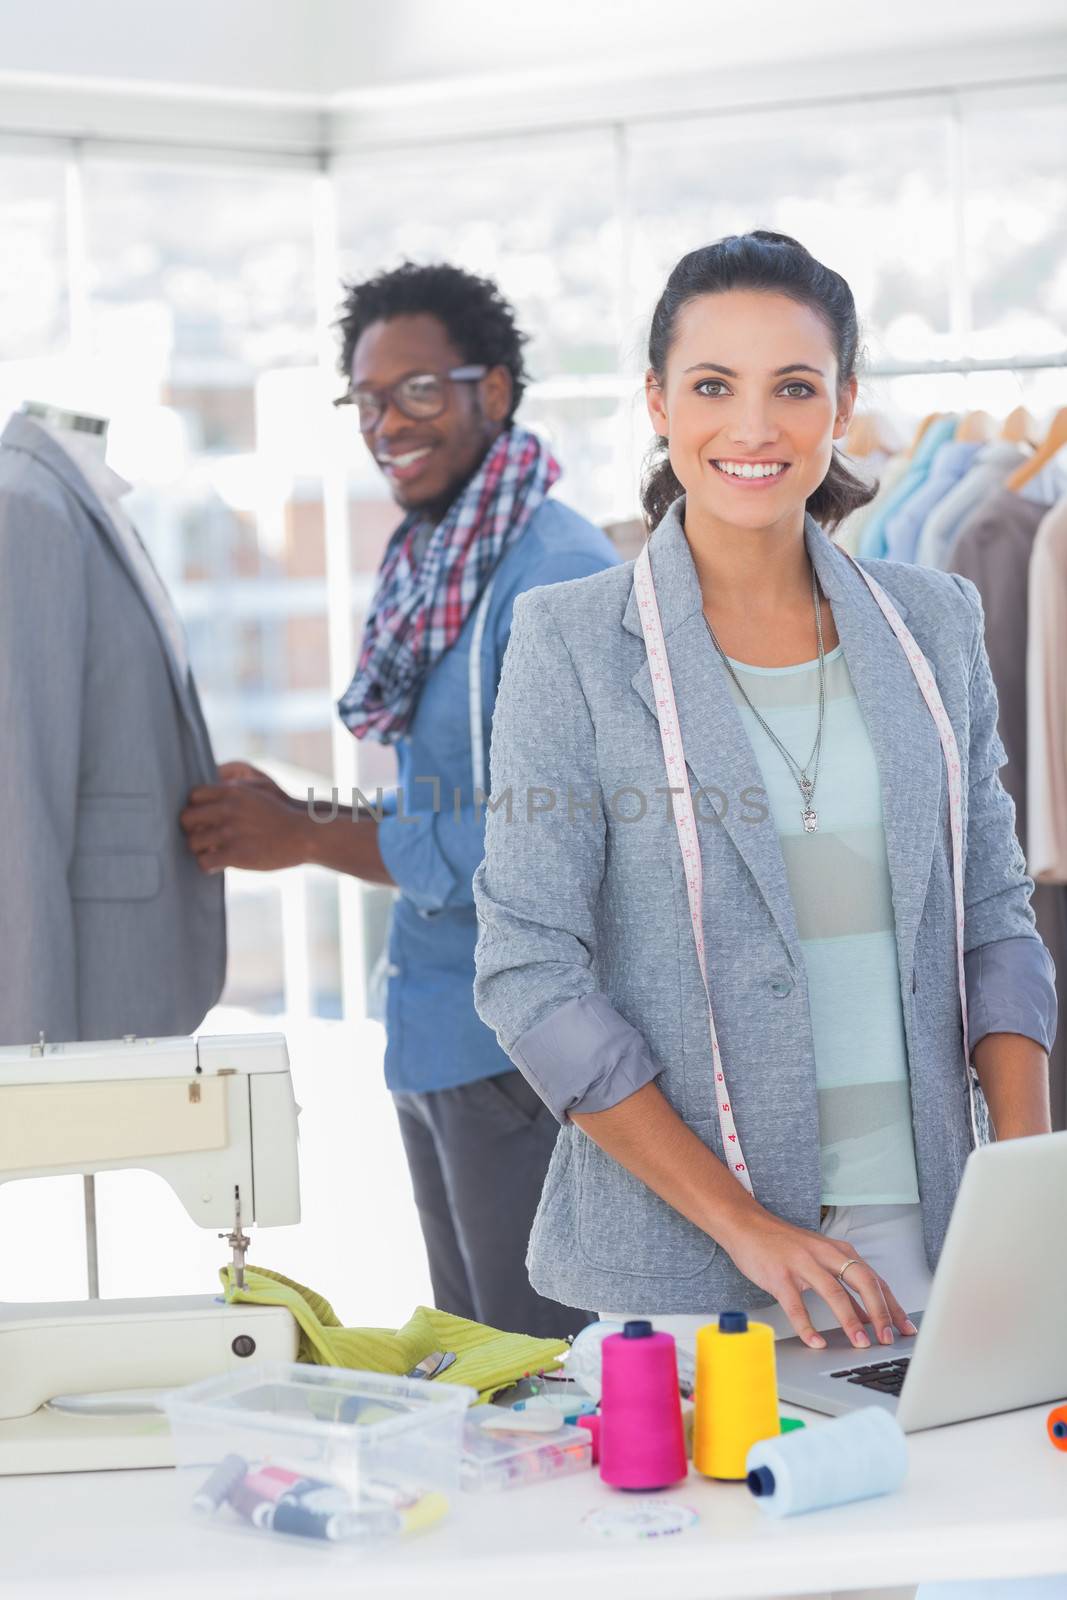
(786,1261)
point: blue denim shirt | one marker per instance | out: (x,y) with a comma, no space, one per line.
(432,837)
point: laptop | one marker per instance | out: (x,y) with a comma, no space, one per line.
(994,1334)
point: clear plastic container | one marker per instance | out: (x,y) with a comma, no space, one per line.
(493,1460)
(341,1457)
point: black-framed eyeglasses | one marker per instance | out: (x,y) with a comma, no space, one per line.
(420,396)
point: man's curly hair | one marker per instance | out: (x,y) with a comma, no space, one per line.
(477,318)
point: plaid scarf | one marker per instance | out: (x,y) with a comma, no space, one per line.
(421,603)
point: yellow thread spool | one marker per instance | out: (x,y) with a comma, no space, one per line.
(736,1393)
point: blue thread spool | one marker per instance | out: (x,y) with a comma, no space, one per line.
(851,1458)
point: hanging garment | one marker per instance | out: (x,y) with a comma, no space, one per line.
(873,543)
(905,526)
(849,534)
(988,470)
(993,549)
(1046,701)
(107,924)
(875,470)
(111,490)
(486,1359)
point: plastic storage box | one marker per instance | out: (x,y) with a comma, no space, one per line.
(499,1460)
(319,1452)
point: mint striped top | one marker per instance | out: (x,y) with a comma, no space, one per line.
(842,897)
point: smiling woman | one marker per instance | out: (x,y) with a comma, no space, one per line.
(746,1121)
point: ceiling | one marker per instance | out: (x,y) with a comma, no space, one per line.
(331,52)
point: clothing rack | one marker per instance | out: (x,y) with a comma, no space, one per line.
(615,386)
(918,369)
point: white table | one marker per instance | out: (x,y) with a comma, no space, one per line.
(983,1499)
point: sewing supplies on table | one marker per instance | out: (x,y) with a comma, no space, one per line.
(508,1460)
(583,1362)
(321,1453)
(279,1500)
(591,1424)
(433,1365)
(542,1413)
(736,1394)
(560,1407)
(585,1357)
(640,1519)
(642,1438)
(1057,1427)
(854,1457)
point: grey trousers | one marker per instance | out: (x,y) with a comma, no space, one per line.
(477,1155)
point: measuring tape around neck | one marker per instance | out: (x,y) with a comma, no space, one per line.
(689,844)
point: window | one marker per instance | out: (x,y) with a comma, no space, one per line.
(865,189)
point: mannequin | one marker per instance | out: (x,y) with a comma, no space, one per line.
(107,925)
(84,438)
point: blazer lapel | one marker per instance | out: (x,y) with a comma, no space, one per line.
(719,754)
(902,732)
(717,748)
(23,434)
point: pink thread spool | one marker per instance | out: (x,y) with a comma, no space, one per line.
(642,1440)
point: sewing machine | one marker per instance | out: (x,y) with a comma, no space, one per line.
(214,1117)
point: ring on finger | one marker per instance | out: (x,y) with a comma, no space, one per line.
(854,1261)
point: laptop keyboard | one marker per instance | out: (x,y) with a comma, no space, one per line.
(887,1377)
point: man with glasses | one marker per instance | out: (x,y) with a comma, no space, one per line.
(434,366)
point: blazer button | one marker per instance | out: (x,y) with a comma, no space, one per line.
(781,985)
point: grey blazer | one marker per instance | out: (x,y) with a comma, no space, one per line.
(586,966)
(107,925)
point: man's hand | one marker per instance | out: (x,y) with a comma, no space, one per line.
(256,778)
(244,823)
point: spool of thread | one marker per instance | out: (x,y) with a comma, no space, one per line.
(217,1487)
(642,1442)
(591,1424)
(736,1394)
(1057,1427)
(851,1458)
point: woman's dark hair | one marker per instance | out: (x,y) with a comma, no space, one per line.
(478,320)
(775,264)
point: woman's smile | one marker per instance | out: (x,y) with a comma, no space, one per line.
(750,475)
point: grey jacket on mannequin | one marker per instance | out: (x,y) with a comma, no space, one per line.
(107,925)
(586,966)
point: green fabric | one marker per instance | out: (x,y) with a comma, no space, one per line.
(486,1359)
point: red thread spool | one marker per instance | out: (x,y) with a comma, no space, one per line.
(1057,1427)
(642,1437)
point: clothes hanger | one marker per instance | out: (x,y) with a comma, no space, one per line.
(1019,427)
(934,416)
(1051,445)
(869,434)
(975,427)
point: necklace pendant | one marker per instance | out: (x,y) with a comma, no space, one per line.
(810,819)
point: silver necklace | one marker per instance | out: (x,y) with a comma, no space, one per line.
(805,783)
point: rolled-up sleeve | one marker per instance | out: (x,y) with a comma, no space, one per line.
(1011,985)
(1011,988)
(537,888)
